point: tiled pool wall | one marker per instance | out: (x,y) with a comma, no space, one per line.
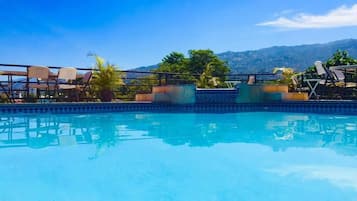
(216,96)
(331,107)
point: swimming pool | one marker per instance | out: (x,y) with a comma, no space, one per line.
(178,156)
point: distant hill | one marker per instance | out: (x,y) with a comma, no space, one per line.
(264,60)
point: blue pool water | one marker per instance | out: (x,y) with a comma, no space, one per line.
(173,156)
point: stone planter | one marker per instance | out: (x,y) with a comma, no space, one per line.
(176,94)
(144,97)
(106,96)
(296,96)
(161,89)
(276,88)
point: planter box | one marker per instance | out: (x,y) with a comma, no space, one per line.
(296,97)
(161,89)
(276,88)
(176,94)
(143,97)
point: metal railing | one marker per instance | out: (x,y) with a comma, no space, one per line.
(14,81)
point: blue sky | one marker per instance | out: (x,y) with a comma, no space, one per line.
(133,33)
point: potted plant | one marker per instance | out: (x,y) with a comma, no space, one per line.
(287,80)
(106,78)
(286,76)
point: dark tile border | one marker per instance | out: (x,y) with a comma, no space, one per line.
(323,107)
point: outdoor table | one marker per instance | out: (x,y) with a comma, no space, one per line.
(313,86)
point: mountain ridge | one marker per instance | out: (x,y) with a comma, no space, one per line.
(299,57)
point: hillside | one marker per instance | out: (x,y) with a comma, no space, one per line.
(298,57)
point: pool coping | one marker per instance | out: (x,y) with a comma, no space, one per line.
(320,106)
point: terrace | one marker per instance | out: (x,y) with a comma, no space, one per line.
(19,86)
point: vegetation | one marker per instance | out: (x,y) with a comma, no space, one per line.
(201,67)
(287,75)
(138,85)
(339,58)
(207,80)
(4,98)
(106,79)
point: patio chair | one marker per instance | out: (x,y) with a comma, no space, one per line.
(84,85)
(41,76)
(65,81)
(66,77)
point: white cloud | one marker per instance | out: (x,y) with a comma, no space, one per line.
(343,177)
(341,17)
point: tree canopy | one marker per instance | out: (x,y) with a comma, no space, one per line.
(202,66)
(340,58)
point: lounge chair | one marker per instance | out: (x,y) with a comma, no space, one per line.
(329,77)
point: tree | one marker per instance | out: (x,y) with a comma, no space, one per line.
(201,65)
(199,59)
(175,62)
(340,58)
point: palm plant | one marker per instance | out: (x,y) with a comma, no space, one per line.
(206,80)
(106,78)
(287,75)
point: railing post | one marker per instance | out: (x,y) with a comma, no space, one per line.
(345,73)
(166,78)
(27,82)
(159,79)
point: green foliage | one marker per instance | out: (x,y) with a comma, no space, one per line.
(4,98)
(287,75)
(139,85)
(340,58)
(176,62)
(200,59)
(106,77)
(202,67)
(206,80)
